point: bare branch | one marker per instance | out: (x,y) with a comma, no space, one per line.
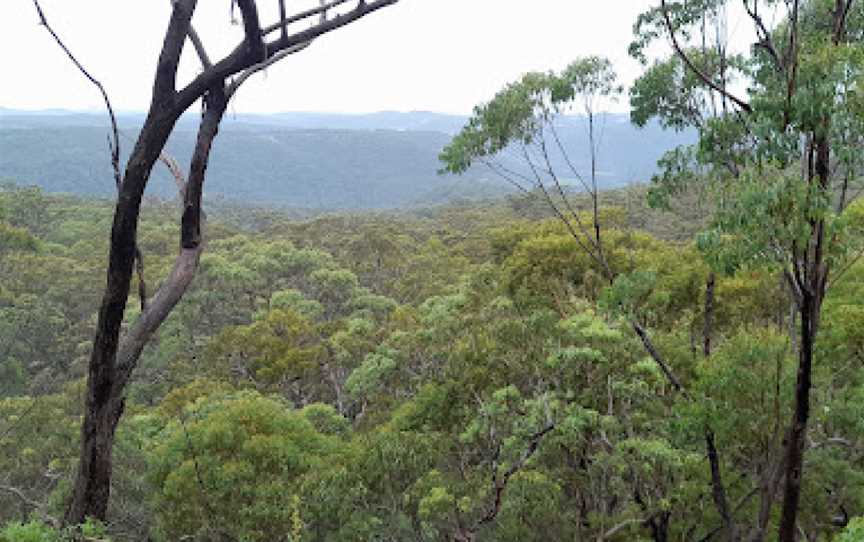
(21,496)
(561,216)
(285,21)
(176,172)
(254,40)
(198,44)
(36,506)
(765,40)
(249,72)
(241,59)
(598,247)
(658,359)
(139,271)
(501,171)
(282,16)
(499,486)
(614,530)
(689,63)
(361,10)
(718,490)
(566,156)
(114,143)
(164,87)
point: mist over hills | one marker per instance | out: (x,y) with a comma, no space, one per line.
(313,160)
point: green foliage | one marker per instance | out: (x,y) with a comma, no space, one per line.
(854,532)
(231,464)
(519,112)
(36,531)
(28,532)
(14,239)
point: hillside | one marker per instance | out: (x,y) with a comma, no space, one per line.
(316,161)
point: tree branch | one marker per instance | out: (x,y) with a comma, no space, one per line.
(614,530)
(21,496)
(186,264)
(263,65)
(240,58)
(689,63)
(37,506)
(765,40)
(658,359)
(254,37)
(285,21)
(197,44)
(718,491)
(500,486)
(164,86)
(114,142)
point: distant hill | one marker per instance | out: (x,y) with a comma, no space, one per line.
(312,160)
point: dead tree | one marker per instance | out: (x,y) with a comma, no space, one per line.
(114,358)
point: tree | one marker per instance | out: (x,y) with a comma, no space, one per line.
(523,118)
(783,161)
(113,357)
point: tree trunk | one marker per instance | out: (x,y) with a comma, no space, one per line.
(795,447)
(708,323)
(104,405)
(812,289)
(92,485)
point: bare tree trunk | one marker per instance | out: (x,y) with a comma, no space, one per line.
(104,405)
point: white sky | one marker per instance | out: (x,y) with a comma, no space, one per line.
(434,55)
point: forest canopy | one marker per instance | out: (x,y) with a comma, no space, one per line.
(680,360)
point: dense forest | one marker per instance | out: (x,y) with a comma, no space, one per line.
(676,361)
(413,376)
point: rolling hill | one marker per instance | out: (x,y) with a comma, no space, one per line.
(312,160)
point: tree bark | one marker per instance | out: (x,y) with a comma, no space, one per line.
(795,447)
(812,286)
(104,405)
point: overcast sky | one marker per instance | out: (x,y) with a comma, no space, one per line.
(433,55)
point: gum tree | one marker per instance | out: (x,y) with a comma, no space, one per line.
(115,356)
(783,157)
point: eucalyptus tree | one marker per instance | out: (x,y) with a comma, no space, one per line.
(524,119)
(783,155)
(113,357)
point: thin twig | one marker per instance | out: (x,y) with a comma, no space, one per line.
(115,145)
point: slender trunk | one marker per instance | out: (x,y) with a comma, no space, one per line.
(659,526)
(795,447)
(718,490)
(595,196)
(812,292)
(708,324)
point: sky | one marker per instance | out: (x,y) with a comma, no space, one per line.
(427,55)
